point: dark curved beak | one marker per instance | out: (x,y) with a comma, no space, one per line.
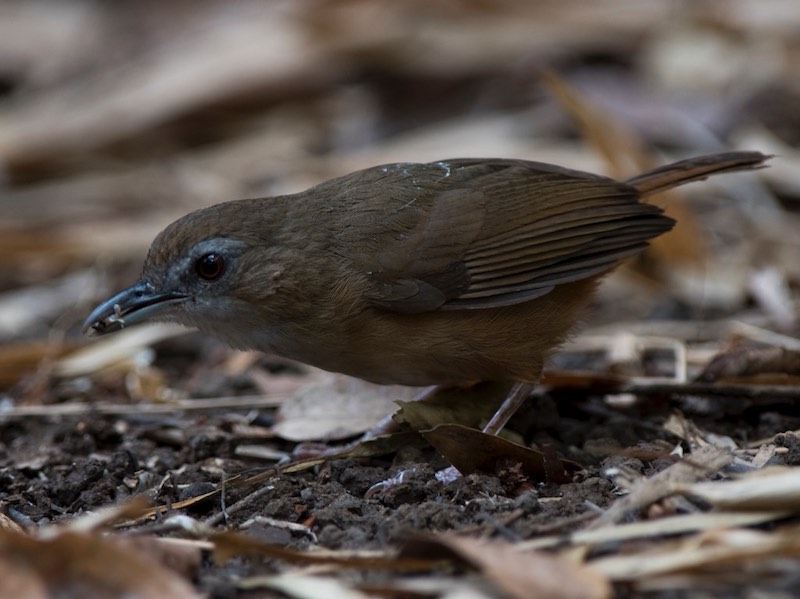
(133,305)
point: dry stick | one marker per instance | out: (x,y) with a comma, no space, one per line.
(714,390)
(182,405)
(647,491)
(239,505)
(250,401)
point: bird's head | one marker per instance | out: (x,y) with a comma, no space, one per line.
(207,270)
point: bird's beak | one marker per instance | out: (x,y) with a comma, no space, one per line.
(133,305)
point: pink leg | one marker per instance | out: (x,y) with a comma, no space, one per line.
(516,397)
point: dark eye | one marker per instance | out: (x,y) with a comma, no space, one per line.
(210,267)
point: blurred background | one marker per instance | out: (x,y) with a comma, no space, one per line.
(118,117)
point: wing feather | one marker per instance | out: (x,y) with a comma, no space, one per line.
(481,234)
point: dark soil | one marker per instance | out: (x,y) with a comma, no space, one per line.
(56,468)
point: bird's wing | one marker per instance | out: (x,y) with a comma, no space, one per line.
(464,234)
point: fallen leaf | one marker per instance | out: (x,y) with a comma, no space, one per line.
(700,463)
(232,544)
(718,552)
(470,406)
(471,450)
(21,359)
(375,446)
(304,586)
(745,363)
(520,574)
(776,489)
(336,408)
(74,564)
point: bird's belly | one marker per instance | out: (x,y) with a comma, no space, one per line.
(433,348)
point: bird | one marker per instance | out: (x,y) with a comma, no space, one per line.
(442,273)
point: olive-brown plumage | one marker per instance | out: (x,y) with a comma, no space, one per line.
(417,274)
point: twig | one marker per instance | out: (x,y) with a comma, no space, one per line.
(180,405)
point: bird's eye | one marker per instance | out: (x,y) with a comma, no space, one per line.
(210,267)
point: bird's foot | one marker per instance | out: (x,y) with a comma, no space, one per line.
(388,484)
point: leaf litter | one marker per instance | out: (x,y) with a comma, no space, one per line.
(659,455)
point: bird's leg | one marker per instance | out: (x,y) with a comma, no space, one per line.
(513,401)
(516,397)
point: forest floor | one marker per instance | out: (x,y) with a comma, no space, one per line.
(659,456)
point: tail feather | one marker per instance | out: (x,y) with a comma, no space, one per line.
(696,169)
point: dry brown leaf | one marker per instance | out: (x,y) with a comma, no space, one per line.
(27,241)
(521,575)
(619,146)
(258,48)
(179,556)
(658,527)
(465,38)
(304,586)
(744,363)
(697,465)
(28,307)
(91,565)
(239,402)
(21,582)
(374,446)
(687,430)
(232,544)
(441,585)
(7,523)
(600,383)
(19,360)
(104,517)
(775,489)
(626,154)
(711,551)
(335,407)
(120,348)
(470,406)
(771,288)
(471,450)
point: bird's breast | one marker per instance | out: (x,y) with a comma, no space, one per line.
(437,347)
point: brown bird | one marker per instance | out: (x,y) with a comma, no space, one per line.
(440,273)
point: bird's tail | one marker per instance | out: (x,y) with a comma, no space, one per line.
(696,169)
